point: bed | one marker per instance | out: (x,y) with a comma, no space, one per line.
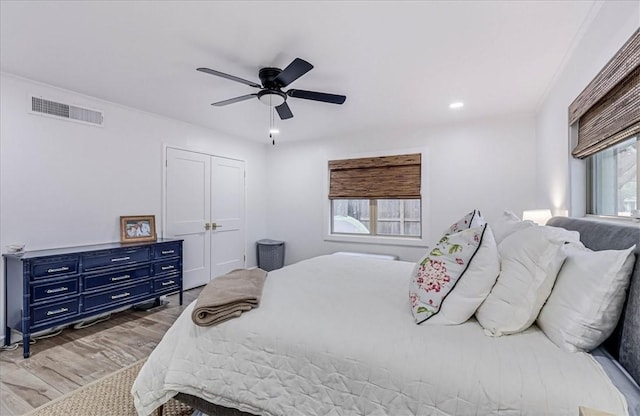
(334,335)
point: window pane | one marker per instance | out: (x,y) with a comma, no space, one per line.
(614,179)
(389,209)
(412,209)
(398,217)
(389,227)
(412,228)
(350,216)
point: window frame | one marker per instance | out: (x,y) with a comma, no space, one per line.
(590,167)
(379,239)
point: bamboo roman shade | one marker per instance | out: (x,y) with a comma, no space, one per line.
(386,177)
(608,110)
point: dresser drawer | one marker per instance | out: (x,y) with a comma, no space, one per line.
(52,268)
(56,310)
(115,296)
(166,250)
(166,283)
(115,258)
(50,290)
(94,281)
(164,267)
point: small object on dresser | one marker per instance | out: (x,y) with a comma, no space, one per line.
(15,248)
(134,229)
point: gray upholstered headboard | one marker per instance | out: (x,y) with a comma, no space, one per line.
(624,343)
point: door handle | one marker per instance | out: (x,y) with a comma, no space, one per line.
(207,226)
(214,226)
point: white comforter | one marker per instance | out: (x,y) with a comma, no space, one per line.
(334,335)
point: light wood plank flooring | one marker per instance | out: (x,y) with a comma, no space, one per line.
(63,363)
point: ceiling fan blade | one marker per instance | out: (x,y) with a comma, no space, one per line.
(234,100)
(317,96)
(227,76)
(293,71)
(284,111)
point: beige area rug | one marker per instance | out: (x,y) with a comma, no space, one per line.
(109,396)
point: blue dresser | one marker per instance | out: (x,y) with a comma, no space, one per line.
(49,288)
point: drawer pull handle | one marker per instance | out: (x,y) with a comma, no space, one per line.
(122,295)
(168,267)
(59,269)
(170,282)
(168,251)
(121,258)
(115,279)
(57,311)
(57,290)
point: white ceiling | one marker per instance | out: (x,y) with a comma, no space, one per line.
(399,63)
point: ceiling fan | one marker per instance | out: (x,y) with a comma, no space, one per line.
(273,80)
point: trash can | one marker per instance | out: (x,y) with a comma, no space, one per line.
(270,254)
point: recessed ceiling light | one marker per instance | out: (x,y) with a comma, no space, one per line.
(458,104)
(274,131)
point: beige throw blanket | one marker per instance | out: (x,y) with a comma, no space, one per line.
(228,296)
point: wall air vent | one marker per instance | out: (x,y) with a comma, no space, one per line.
(66,111)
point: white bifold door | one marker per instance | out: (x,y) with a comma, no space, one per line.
(205,206)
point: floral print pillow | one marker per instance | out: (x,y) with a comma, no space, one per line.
(471,220)
(437,273)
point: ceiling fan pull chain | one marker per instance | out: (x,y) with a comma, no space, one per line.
(271,123)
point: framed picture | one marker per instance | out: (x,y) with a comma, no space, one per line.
(138,228)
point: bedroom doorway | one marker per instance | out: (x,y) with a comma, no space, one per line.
(205,206)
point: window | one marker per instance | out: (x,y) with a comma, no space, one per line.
(614,184)
(378,196)
(386,217)
(606,117)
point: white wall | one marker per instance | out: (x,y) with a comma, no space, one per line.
(66,184)
(489,165)
(610,27)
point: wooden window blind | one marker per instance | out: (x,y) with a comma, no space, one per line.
(608,110)
(386,177)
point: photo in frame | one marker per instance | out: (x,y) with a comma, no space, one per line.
(138,228)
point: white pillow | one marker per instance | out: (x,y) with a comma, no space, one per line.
(472,289)
(437,273)
(507,224)
(588,297)
(530,261)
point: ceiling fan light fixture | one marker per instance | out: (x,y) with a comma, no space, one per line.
(272,98)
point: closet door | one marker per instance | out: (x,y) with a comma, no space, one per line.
(227,215)
(188,209)
(205,206)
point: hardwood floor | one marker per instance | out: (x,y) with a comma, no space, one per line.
(65,362)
